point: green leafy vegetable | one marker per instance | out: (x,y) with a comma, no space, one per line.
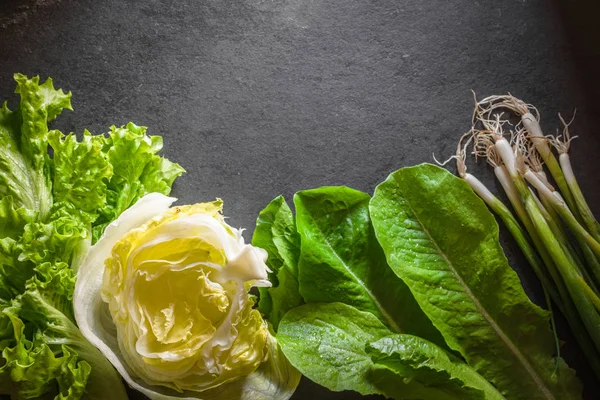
(57,360)
(327,341)
(137,170)
(380,328)
(13,273)
(82,193)
(339,338)
(342,348)
(417,362)
(49,204)
(441,240)
(24,160)
(52,241)
(276,233)
(13,220)
(341,261)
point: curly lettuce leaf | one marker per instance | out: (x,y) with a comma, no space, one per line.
(158,176)
(44,351)
(15,172)
(441,239)
(54,241)
(32,369)
(12,219)
(40,104)
(49,203)
(13,272)
(276,233)
(81,174)
(137,171)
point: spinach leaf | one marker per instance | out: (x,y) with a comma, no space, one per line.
(442,241)
(341,261)
(276,233)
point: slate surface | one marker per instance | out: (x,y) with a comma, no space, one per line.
(261,97)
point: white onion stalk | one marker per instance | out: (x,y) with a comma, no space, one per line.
(511,223)
(556,200)
(562,144)
(530,119)
(535,163)
(561,207)
(510,166)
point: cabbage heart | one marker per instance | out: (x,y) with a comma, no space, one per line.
(164,295)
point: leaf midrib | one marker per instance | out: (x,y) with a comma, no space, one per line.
(499,332)
(392,324)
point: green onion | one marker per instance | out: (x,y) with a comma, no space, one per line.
(555,229)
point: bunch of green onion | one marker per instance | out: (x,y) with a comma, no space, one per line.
(554,228)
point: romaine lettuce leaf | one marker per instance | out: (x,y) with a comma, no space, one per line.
(341,261)
(441,239)
(342,348)
(425,370)
(276,233)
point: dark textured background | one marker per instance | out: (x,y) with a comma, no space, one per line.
(261,97)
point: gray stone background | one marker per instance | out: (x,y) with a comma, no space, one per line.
(257,98)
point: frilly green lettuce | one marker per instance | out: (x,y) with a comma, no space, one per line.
(55,191)
(137,171)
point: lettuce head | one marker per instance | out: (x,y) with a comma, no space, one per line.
(164,295)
